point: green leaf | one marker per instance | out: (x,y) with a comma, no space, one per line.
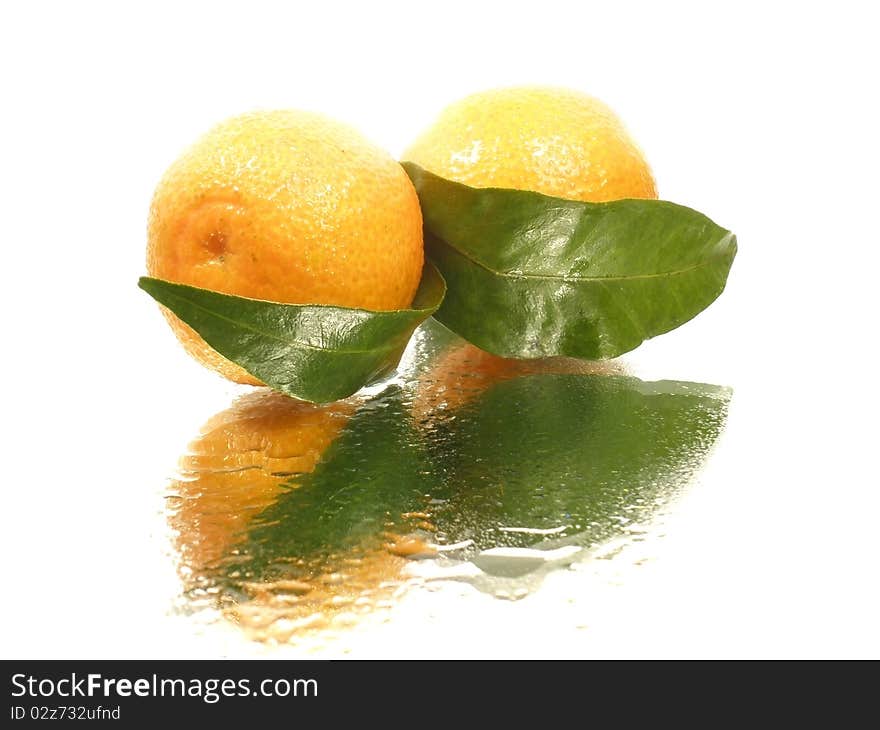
(312,352)
(529,275)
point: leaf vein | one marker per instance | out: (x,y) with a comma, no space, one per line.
(285,341)
(717,253)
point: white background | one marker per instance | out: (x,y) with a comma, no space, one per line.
(762,116)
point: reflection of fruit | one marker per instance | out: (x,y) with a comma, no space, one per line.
(239,464)
(234,536)
(464,372)
(554,141)
(286,611)
(287,206)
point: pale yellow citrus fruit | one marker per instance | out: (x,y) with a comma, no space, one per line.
(287,206)
(554,141)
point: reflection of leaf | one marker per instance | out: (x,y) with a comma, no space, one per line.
(284,510)
(585,452)
(589,452)
(372,473)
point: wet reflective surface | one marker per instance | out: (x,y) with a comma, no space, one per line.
(289,520)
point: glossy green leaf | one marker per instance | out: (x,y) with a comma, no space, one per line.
(312,352)
(530,275)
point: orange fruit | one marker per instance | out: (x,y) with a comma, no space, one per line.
(287,206)
(554,141)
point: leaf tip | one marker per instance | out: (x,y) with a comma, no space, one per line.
(147,284)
